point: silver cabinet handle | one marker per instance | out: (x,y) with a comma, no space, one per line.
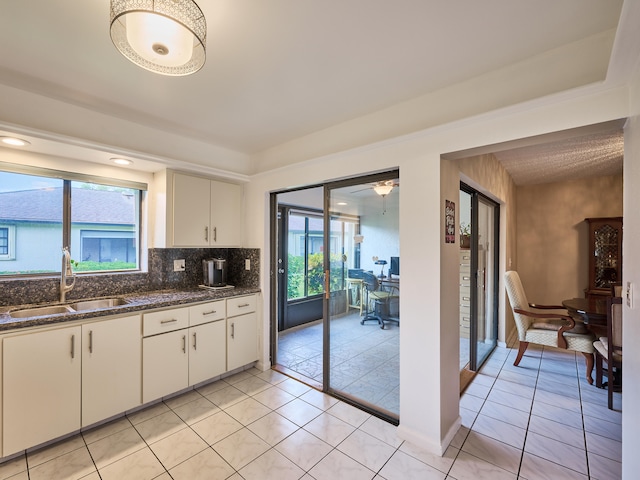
(184,344)
(466,278)
(73,346)
(206,234)
(90,341)
(233,330)
(194,341)
(208,313)
(162,322)
(466,299)
(243,305)
(215,234)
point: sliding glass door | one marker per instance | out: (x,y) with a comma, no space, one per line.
(478,278)
(336,273)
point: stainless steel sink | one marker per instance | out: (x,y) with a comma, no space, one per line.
(81,306)
(96,304)
(40,311)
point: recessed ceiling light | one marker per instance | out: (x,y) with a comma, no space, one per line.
(122,161)
(14,142)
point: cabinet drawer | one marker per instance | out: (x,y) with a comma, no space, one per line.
(241,305)
(165,321)
(207,312)
(465,310)
(465,279)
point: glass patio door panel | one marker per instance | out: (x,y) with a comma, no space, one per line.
(361,235)
(486,326)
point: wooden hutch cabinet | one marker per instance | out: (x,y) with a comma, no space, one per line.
(605,255)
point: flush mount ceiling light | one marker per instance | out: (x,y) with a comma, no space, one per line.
(121,161)
(14,142)
(162,36)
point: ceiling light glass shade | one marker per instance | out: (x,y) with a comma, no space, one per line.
(121,161)
(383,189)
(163,36)
(14,142)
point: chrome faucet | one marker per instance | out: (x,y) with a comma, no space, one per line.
(67,271)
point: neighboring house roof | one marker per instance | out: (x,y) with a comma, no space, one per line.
(88,206)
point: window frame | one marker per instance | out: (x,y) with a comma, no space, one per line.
(68,178)
(11,242)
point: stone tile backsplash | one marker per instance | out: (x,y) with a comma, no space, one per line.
(159,277)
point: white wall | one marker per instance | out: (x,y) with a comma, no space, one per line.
(631,273)
(428,394)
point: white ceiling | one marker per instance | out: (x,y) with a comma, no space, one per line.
(280,69)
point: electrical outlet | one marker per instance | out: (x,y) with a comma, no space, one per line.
(247,264)
(178,266)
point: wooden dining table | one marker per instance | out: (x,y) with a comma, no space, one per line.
(592,312)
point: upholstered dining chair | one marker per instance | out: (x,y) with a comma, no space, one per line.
(609,348)
(549,328)
(376,298)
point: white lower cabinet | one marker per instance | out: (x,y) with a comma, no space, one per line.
(182,357)
(242,331)
(207,352)
(41,387)
(165,363)
(111,368)
(242,340)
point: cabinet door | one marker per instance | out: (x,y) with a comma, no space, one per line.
(165,364)
(242,340)
(111,368)
(41,387)
(191,203)
(226,214)
(207,351)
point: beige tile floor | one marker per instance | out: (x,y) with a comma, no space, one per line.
(536,421)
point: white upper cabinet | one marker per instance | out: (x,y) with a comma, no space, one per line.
(204,212)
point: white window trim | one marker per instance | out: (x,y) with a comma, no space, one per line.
(12,243)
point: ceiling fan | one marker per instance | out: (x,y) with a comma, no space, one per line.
(382,188)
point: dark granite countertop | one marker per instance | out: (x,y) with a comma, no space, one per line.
(136,302)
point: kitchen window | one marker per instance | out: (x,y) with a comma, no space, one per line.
(43,210)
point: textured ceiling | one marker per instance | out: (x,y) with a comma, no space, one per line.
(597,154)
(592,150)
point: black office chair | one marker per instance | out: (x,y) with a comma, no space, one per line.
(379,298)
